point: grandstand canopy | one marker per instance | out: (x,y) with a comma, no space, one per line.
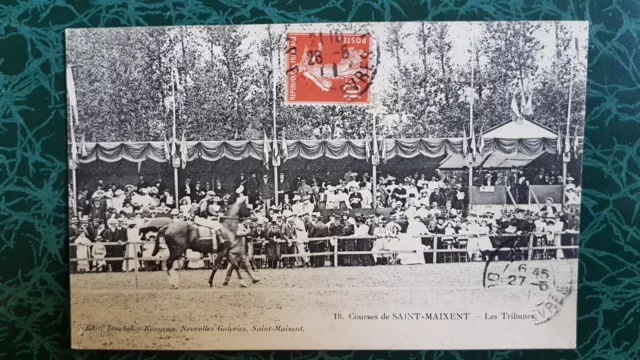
(311,149)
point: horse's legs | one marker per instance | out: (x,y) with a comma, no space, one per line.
(173,276)
(214,267)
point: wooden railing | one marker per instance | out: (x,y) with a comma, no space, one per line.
(334,240)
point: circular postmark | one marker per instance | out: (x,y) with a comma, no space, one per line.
(545,284)
(335,65)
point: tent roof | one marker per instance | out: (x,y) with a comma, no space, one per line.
(490,160)
(525,129)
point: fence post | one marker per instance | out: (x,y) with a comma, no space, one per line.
(530,247)
(335,251)
(135,267)
(435,248)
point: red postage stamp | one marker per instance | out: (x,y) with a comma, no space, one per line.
(331,68)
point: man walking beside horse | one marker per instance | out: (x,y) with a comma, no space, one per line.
(180,236)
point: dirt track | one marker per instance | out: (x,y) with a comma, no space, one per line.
(281,293)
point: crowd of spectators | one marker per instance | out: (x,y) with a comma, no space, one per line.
(420,205)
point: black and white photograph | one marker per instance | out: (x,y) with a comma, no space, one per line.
(335,186)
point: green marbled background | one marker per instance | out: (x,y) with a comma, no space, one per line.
(34,315)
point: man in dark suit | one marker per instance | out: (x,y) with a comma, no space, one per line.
(540,179)
(187,190)
(266,190)
(142,183)
(318,230)
(283,188)
(512,185)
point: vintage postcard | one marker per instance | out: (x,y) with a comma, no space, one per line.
(326,186)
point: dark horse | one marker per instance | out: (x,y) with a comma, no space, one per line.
(180,236)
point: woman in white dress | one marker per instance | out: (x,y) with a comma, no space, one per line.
(83,246)
(133,234)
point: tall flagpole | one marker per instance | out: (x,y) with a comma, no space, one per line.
(175,168)
(566,150)
(374,163)
(275,132)
(74,149)
(73,169)
(471,132)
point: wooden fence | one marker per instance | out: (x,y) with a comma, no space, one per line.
(524,253)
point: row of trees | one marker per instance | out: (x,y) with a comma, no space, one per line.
(224,88)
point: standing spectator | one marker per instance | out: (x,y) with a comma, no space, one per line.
(83,245)
(304,189)
(283,188)
(187,191)
(272,247)
(288,232)
(253,188)
(266,190)
(142,183)
(355,199)
(384,195)
(512,186)
(400,194)
(133,234)
(367,196)
(220,191)
(301,238)
(98,253)
(318,230)
(438,197)
(539,179)
(199,193)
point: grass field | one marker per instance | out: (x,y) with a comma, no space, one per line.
(112,298)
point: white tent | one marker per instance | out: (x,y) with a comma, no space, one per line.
(524,129)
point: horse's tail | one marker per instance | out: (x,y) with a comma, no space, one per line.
(156,249)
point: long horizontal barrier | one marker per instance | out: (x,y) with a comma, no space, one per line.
(335,252)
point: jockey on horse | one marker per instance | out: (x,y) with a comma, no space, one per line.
(180,236)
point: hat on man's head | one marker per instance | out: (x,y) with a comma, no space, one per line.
(131,222)
(73,220)
(211,193)
(174,212)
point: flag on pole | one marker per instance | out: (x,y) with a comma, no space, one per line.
(464,142)
(173,147)
(474,148)
(514,107)
(165,144)
(384,151)
(276,151)
(139,165)
(559,144)
(575,142)
(567,146)
(285,149)
(73,100)
(265,151)
(83,147)
(74,149)
(184,155)
(481,146)
(529,106)
(367,148)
